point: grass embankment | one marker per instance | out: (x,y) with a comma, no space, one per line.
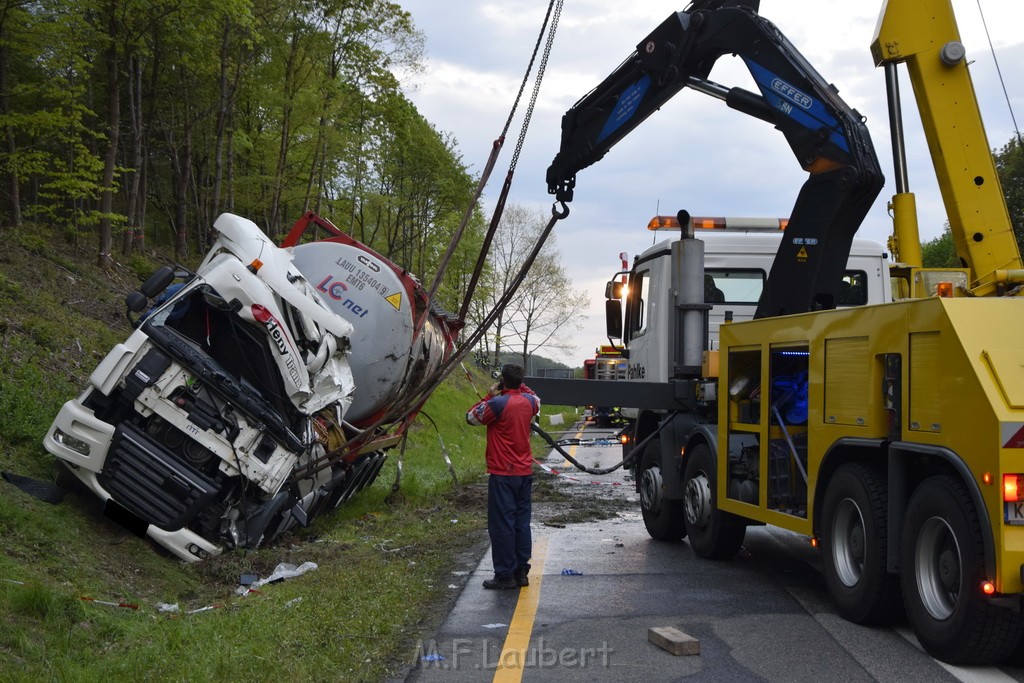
(384,559)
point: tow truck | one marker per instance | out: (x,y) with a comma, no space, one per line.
(889,434)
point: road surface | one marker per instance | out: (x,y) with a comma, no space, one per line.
(598,587)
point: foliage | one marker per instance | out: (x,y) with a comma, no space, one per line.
(1010,166)
(940,252)
(149,119)
(545,308)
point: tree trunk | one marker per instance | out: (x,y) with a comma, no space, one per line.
(131,237)
(113,125)
(222,117)
(13,188)
(286,117)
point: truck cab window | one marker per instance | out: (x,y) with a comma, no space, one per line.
(743,286)
(853,290)
(636,315)
(733,285)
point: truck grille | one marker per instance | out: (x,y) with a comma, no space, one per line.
(151,482)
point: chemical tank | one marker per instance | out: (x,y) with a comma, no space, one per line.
(390,355)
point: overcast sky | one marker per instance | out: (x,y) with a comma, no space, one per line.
(695,153)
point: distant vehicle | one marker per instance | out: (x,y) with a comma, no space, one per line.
(607,364)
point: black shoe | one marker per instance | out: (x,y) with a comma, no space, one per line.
(522,575)
(500,584)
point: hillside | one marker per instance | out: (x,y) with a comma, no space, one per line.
(384,560)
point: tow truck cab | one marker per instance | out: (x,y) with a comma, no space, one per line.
(738,255)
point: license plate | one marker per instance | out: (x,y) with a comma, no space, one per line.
(1014,513)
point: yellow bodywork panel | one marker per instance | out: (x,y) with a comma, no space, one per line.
(957,391)
(846,382)
(1007,367)
(925,382)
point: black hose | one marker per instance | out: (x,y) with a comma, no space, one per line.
(626,461)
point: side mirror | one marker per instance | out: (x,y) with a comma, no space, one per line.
(157,282)
(613,290)
(613,318)
(136,302)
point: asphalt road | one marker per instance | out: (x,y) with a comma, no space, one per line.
(764,616)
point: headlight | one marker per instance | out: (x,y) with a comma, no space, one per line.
(75,444)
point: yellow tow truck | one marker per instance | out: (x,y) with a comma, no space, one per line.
(892,434)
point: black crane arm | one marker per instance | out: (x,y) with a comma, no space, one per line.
(828,137)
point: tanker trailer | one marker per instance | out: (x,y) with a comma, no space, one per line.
(229,414)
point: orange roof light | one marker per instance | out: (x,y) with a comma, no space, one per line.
(988,588)
(719,223)
(944,289)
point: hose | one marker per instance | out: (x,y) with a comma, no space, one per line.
(626,461)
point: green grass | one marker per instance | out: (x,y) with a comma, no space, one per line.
(384,559)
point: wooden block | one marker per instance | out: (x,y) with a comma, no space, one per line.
(673,640)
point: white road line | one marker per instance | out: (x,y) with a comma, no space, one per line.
(974,674)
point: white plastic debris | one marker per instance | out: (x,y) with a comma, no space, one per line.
(164,607)
(285,571)
(495,625)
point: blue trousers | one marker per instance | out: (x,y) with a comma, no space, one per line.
(508,523)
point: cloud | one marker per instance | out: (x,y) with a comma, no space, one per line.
(694,153)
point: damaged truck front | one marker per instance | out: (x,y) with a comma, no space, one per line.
(214,424)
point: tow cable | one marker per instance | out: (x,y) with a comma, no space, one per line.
(626,461)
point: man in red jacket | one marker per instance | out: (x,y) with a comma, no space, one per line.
(508,411)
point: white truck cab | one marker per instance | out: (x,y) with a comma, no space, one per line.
(738,255)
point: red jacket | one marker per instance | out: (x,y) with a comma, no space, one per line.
(508,418)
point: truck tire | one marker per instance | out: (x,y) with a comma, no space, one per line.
(663,518)
(854,546)
(714,534)
(943,565)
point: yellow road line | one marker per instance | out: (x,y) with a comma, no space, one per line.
(513,653)
(572,449)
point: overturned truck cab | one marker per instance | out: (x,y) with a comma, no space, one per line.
(224,419)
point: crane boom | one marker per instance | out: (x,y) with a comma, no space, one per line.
(828,137)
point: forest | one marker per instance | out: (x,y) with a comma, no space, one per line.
(132,124)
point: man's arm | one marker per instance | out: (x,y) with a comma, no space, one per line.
(530,395)
(482,413)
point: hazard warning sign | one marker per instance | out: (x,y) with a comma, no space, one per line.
(395,300)
(802,254)
(1012,434)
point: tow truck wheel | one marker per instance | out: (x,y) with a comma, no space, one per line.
(663,518)
(854,546)
(943,563)
(714,534)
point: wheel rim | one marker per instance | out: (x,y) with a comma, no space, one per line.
(938,567)
(698,500)
(650,489)
(848,542)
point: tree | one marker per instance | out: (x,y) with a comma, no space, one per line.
(547,308)
(544,309)
(158,115)
(940,252)
(1010,166)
